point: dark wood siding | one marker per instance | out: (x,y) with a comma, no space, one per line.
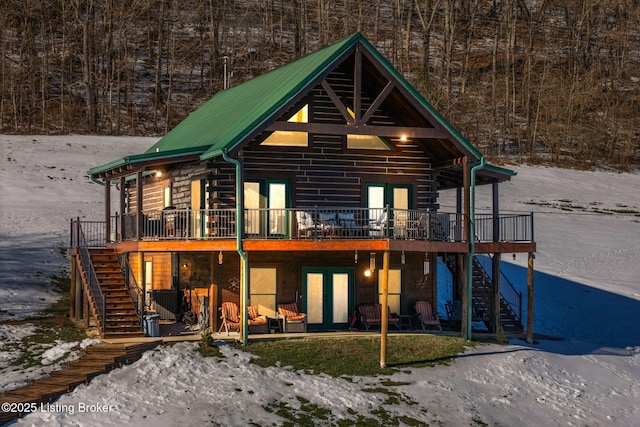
(327,174)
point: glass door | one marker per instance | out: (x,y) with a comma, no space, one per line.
(328,297)
(265,205)
(398,198)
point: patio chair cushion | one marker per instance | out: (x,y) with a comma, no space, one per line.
(290,312)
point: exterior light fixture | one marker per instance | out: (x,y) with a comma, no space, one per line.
(158,174)
(402,258)
(367,273)
(426,266)
(185,265)
(220,258)
(403,138)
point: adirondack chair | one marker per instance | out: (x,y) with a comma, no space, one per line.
(371,314)
(426,316)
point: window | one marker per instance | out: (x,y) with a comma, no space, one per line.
(262,290)
(281,138)
(394,290)
(365,142)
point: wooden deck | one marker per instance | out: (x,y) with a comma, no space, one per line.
(100,358)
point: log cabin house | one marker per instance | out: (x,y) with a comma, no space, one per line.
(315,184)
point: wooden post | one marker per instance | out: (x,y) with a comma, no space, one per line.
(139,205)
(384,326)
(79,297)
(72,287)
(85,309)
(496,212)
(212,308)
(495,275)
(123,202)
(464,297)
(466,268)
(529,337)
(107,210)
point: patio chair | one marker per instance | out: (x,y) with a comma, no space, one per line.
(377,226)
(426,316)
(348,223)
(294,321)
(307,227)
(230,315)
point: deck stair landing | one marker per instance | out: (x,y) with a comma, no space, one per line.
(99,359)
(121,320)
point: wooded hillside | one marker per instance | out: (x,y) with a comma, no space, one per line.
(539,80)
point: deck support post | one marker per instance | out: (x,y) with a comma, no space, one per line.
(139,202)
(72,288)
(465,321)
(79,295)
(107,211)
(384,299)
(529,337)
(495,278)
(85,309)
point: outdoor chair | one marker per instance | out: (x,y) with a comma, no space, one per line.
(371,314)
(348,223)
(377,226)
(307,227)
(230,315)
(426,316)
(294,321)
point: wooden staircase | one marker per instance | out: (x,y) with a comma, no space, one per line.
(121,320)
(483,296)
(99,359)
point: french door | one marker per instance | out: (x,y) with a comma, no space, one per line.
(265,203)
(328,297)
(397,197)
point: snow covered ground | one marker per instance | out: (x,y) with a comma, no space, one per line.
(587,292)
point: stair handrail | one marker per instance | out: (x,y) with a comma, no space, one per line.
(135,293)
(91,276)
(509,294)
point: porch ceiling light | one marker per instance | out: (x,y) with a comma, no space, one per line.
(158,174)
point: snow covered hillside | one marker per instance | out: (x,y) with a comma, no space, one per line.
(587,296)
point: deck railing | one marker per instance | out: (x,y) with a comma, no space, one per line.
(309,223)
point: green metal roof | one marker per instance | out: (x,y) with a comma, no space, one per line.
(232,115)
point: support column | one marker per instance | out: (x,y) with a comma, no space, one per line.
(72,287)
(465,267)
(464,296)
(529,337)
(123,203)
(495,276)
(79,297)
(139,205)
(107,210)
(496,212)
(384,326)
(85,309)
